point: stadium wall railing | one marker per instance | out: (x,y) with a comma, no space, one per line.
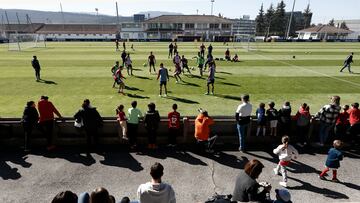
(12,133)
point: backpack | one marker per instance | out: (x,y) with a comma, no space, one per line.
(303,120)
(216,198)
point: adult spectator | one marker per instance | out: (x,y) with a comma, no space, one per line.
(152,120)
(285,119)
(156,191)
(29,120)
(202,131)
(99,195)
(347,62)
(36,65)
(46,119)
(134,116)
(246,187)
(354,119)
(328,115)
(242,115)
(91,120)
(65,197)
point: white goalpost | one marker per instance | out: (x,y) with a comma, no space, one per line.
(19,42)
(244,41)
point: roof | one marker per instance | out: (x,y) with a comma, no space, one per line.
(188,19)
(78,29)
(325,29)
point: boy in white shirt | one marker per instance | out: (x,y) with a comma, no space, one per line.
(286,152)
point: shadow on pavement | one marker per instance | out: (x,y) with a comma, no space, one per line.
(121,159)
(7,172)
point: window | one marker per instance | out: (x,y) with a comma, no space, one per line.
(225,26)
(202,26)
(177,25)
(153,26)
(214,26)
(189,26)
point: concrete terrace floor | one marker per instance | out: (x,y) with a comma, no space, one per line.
(39,176)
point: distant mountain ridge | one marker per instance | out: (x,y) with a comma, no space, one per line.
(69,17)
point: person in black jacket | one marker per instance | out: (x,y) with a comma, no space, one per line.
(36,65)
(347,62)
(91,120)
(285,119)
(152,119)
(30,119)
(246,188)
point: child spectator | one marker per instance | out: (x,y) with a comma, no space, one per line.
(29,120)
(122,122)
(354,119)
(261,119)
(272,117)
(303,118)
(152,120)
(65,197)
(286,152)
(333,161)
(134,115)
(174,125)
(342,123)
(285,119)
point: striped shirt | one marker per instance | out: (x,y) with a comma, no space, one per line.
(329,113)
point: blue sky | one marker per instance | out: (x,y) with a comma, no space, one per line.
(323,10)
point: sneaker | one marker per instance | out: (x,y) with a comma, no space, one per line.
(159,95)
(125,138)
(165,95)
(276,172)
(284,184)
(176,82)
(212,93)
(207,93)
(322,178)
(335,180)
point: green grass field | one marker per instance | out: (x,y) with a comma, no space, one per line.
(267,72)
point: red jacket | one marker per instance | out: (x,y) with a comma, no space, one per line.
(343,119)
(354,116)
(47,111)
(174,120)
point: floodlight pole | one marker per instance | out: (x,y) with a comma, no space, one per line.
(291,16)
(212,6)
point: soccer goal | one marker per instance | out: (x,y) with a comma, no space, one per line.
(244,41)
(19,42)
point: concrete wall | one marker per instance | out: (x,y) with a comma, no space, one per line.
(11,132)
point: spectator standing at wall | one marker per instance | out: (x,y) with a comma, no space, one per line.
(342,124)
(202,131)
(333,161)
(328,115)
(272,117)
(303,118)
(246,187)
(261,119)
(156,191)
(134,116)
(152,120)
(285,119)
(121,117)
(354,119)
(29,120)
(242,115)
(46,119)
(173,125)
(36,65)
(92,122)
(286,152)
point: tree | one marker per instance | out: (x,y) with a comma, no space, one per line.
(332,22)
(260,22)
(280,20)
(344,26)
(307,17)
(269,20)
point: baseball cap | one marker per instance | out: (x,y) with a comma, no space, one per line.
(283,194)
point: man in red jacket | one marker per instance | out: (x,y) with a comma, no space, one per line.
(46,119)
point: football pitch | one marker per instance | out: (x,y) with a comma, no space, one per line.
(74,71)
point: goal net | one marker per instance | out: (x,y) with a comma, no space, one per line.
(244,41)
(19,42)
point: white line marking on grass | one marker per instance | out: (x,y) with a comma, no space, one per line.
(301,67)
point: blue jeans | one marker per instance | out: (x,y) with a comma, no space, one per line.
(84,198)
(324,132)
(242,130)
